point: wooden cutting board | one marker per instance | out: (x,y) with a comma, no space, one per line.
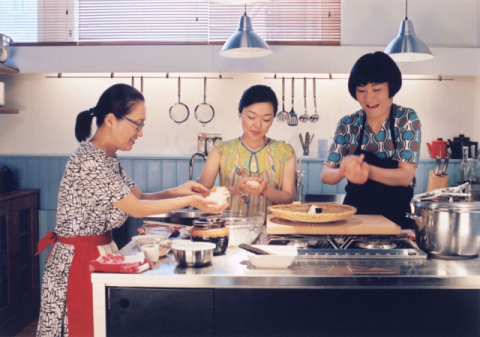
(355,225)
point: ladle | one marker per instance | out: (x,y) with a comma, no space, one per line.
(315,117)
(304,118)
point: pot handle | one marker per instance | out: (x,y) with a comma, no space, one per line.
(413,216)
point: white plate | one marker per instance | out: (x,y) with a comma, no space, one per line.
(283,258)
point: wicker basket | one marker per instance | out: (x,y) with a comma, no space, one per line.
(298,212)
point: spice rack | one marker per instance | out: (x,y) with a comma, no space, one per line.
(8,70)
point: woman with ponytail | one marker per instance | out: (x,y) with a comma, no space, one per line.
(95,197)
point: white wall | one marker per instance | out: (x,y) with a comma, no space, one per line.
(438,23)
(48,107)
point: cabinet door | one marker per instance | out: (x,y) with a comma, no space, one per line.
(159,312)
(4,262)
(25,217)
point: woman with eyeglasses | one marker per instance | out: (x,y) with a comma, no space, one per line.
(258,171)
(95,197)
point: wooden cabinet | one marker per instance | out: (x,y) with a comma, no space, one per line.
(19,273)
(8,70)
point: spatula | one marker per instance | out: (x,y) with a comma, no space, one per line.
(292,117)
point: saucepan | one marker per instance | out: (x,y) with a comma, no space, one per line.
(447,229)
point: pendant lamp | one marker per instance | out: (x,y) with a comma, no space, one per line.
(406,46)
(245,43)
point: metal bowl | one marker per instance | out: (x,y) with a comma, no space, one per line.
(193,254)
(5,48)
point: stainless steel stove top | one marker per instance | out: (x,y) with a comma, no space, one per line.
(346,246)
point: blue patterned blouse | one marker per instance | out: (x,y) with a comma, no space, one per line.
(407,130)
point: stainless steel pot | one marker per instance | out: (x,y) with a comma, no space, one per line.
(449,230)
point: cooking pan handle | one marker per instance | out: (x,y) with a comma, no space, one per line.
(413,216)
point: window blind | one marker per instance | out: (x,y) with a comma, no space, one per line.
(167,22)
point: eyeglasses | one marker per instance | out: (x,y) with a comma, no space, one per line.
(139,126)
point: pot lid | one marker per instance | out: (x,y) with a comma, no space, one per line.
(447,204)
(208,223)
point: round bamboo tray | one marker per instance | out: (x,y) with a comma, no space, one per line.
(298,212)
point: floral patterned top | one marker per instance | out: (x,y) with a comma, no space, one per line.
(407,130)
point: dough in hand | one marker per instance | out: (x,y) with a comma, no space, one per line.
(252,183)
(219,194)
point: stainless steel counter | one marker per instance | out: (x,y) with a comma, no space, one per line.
(234,270)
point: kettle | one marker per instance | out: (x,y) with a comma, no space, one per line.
(438,148)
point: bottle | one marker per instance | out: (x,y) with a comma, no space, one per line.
(477,170)
(469,174)
(463,165)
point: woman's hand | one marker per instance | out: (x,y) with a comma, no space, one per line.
(253,186)
(208,206)
(355,169)
(189,188)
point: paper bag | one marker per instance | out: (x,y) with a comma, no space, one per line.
(435,182)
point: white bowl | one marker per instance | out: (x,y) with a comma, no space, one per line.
(283,258)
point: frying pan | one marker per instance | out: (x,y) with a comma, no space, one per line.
(179,112)
(204,112)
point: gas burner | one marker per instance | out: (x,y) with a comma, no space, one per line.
(376,244)
(298,243)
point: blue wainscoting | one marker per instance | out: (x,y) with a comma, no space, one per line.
(158,173)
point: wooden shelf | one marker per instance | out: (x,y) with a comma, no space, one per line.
(8,70)
(5,110)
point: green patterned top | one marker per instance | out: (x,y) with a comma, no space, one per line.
(280,153)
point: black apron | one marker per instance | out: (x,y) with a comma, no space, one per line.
(393,202)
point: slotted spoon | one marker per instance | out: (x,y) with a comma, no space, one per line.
(315,117)
(282,116)
(304,118)
(292,117)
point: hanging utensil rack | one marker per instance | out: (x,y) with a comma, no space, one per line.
(439,78)
(141,77)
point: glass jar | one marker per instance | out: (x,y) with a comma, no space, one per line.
(211,230)
(210,141)
(202,140)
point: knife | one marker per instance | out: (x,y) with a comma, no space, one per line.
(254,250)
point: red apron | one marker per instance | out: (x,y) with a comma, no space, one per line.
(79,289)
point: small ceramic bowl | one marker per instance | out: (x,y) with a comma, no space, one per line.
(283,257)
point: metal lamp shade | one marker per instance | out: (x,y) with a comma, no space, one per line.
(406,46)
(245,43)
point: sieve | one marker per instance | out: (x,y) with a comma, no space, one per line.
(179,112)
(204,112)
(282,116)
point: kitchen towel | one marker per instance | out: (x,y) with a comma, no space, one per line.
(118,263)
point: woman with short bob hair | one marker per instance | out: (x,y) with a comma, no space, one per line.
(378,147)
(95,197)
(258,171)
